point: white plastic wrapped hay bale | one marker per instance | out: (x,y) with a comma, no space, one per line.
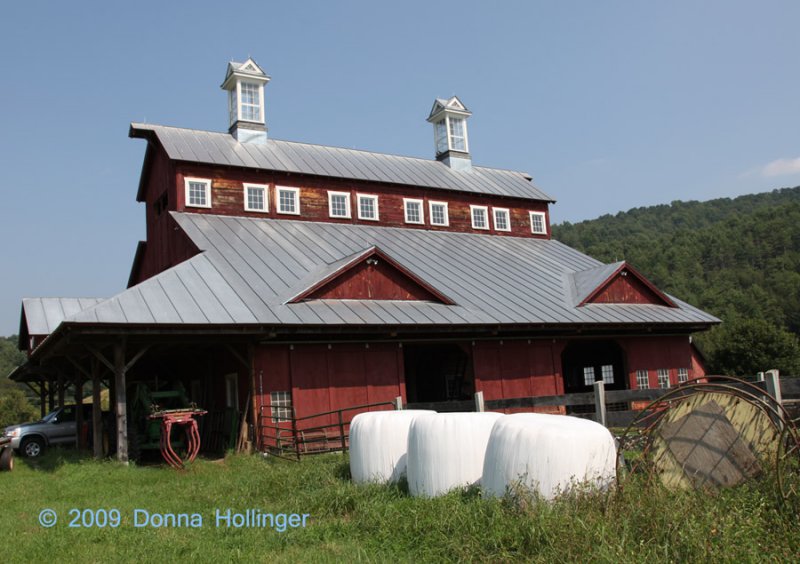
(378,445)
(547,454)
(446,451)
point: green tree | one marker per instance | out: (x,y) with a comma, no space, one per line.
(743,347)
(15,408)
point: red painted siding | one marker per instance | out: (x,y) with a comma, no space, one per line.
(627,290)
(372,282)
(654,353)
(227,198)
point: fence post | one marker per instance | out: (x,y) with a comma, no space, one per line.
(759,376)
(479,405)
(295,434)
(773,378)
(398,403)
(341,433)
(600,402)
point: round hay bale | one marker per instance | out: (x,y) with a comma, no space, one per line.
(446,451)
(547,454)
(378,445)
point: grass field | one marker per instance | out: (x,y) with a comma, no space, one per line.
(372,524)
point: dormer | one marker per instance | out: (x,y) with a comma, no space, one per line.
(449,119)
(245,85)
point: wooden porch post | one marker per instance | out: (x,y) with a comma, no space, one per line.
(255,415)
(97,422)
(79,439)
(60,389)
(42,398)
(51,395)
(121,402)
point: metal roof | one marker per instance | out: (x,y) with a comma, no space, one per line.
(43,315)
(286,156)
(586,281)
(249,268)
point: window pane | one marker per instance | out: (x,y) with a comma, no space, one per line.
(588,375)
(501,220)
(457,134)
(642,380)
(197,194)
(438,216)
(281,406)
(251,105)
(440,132)
(608,373)
(413,212)
(537,223)
(255,198)
(367,207)
(339,205)
(663,378)
(478,218)
(683,375)
(287,201)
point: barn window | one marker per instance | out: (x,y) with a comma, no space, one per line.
(251,101)
(413,211)
(538,225)
(280,406)
(642,380)
(368,207)
(458,137)
(479,217)
(288,200)
(440,131)
(683,375)
(663,378)
(339,204)
(588,375)
(198,192)
(255,198)
(501,221)
(232,390)
(438,211)
(607,370)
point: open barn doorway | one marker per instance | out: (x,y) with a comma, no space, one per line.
(437,373)
(585,362)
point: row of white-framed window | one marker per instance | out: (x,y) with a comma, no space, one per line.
(256,199)
(643,378)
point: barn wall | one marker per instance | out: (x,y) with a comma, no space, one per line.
(627,290)
(652,353)
(166,244)
(511,369)
(227,198)
(323,378)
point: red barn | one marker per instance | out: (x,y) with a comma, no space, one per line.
(315,278)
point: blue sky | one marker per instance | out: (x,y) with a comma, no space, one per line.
(609,105)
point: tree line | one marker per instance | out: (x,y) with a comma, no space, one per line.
(738,259)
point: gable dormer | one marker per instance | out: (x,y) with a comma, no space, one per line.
(245,85)
(449,119)
(616,283)
(370,274)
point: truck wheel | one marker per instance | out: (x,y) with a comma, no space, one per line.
(32,447)
(7,459)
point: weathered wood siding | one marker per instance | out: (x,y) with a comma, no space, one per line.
(227,198)
(372,282)
(627,290)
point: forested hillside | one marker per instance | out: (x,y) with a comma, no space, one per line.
(738,259)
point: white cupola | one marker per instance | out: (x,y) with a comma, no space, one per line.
(245,85)
(449,119)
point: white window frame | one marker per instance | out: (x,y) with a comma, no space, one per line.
(432,203)
(407,201)
(608,379)
(296,191)
(374,199)
(544,222)
(485,209)
(683,375)
(264,188)
(642,376)
(348,211)
(589,380)
(507,213)
(663,377)
(187,181)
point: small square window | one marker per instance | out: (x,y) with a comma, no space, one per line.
(339,204)
(663,378)
(198,192)
(683,375)
(538,224)
(607,370)
(368,207)
(501,219)
(438,213)
(255,198)
(280,406)
(642,380)
(288,200)
(413,211)
(480,218)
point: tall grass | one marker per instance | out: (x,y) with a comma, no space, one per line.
(376,523)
